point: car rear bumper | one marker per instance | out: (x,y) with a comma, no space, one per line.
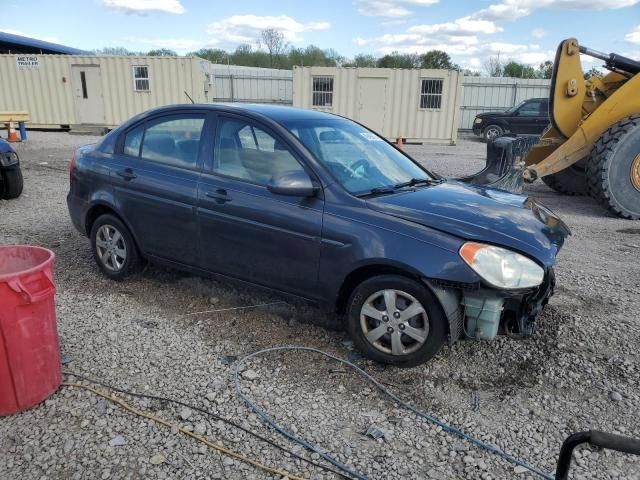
(77,212)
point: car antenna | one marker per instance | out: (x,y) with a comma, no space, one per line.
(190,99)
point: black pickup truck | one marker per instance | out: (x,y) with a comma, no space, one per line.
(528,117)
(10,173)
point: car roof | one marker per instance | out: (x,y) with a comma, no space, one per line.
(278,113)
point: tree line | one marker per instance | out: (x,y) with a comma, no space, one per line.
(274,52)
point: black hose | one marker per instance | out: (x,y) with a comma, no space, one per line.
(208,413)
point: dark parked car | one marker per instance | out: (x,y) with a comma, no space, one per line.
(528,117)
(318,207)
(10,173)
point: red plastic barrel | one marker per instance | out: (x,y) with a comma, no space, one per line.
(29,347)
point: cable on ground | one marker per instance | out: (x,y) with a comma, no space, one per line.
(296,438)
(225,451)
(208,413)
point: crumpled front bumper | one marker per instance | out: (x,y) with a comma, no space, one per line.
(482,313)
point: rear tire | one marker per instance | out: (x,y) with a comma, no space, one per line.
(402,339)
(614,168)
(491,132)
(570,181)
(114,249)
(13,182)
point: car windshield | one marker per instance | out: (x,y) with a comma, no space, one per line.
(360,160)
(516,107)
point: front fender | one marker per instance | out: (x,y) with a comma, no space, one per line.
(351,243)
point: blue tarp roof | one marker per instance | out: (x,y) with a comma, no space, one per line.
(10,43)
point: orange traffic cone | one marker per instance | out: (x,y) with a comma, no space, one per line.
(13,135)
(399,143)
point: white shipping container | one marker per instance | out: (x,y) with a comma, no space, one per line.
(418,105)
(233,83)
(70,90)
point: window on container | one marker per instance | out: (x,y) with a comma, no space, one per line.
(322,91)
(141,79)
(431,93)
(83,81)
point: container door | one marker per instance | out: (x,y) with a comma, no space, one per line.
(87,89)
(372,97)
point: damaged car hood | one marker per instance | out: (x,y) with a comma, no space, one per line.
(482,214)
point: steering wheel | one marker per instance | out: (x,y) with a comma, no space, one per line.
(362,164)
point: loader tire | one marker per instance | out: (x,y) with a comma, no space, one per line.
(613,170)
(570,181)
(13,183)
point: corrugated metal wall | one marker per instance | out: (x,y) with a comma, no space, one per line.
(397,110)
(48,94)
(232,83)
(484,94)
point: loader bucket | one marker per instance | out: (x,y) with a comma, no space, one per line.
(505,163)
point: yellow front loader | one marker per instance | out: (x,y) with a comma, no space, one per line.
(592,145)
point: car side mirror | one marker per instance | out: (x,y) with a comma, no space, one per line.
(516,113)
(293,183)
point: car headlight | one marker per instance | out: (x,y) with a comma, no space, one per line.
(502,268)
(477,120)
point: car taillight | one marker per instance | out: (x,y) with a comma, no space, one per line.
(72,166)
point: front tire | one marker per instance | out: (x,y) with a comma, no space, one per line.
(113,247)
(570,181)
(491,132)
(396,320)
(12,181)
(614,168)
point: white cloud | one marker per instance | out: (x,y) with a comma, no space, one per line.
(461,26)
(238,29)
(513,9)
(538,32)
(23,34)
(459,37)
(145,6)
(633,36)
(390,8)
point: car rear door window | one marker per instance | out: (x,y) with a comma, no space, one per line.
(132,141)
(175,141)
(247,152)
(531,109)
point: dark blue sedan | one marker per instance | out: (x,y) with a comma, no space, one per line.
(318,207)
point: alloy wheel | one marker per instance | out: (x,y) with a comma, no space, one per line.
(394,322)
(111,248)
(491,133)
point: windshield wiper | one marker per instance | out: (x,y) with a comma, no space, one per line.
(377,191)
(398,186)
(418,181)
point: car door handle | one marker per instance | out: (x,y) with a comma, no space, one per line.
(219,195)
(127,174)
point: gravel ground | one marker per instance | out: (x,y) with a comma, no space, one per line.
(580,371)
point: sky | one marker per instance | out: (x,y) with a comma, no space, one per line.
(470,31)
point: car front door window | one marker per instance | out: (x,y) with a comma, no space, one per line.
(247,152)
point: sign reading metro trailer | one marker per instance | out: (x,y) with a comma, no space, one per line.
(27,61)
